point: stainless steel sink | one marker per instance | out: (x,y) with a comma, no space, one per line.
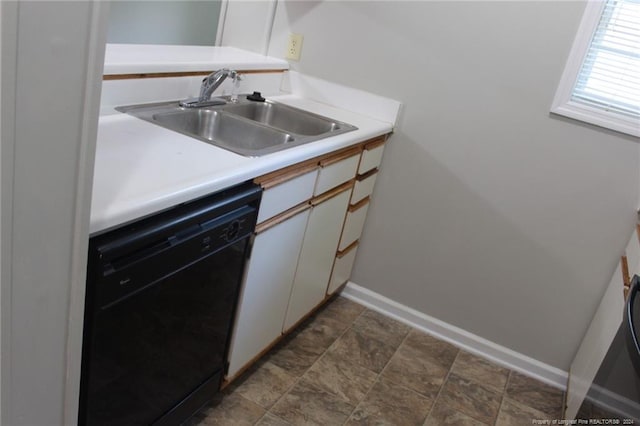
(244,127)
(224,130)
(285,118)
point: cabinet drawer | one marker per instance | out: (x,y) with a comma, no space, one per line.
(285,195)
(353,224)
(364,186)
(336,171)
(371,156)
(342,267)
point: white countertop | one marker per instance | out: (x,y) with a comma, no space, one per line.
(142,168)
(136,59)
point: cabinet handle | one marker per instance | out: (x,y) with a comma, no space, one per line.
(375,143)
(367,175)
(343,155)
(332,193)
(288,214)
(359,204)
(347,249)
(281,176)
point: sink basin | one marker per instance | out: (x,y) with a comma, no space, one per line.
(285,118)
(244,127)
(224,130)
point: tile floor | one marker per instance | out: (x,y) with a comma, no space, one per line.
(348,365)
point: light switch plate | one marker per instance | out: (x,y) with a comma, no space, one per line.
(294,47)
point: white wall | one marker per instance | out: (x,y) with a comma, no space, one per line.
(247,24)
(490,214)
(51,75)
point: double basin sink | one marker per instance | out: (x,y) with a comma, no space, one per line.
(245,127)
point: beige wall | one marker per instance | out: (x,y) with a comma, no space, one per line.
(490,214)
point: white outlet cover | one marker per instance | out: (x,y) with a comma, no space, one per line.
(294,47)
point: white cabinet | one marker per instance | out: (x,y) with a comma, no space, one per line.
(354,223)
(336,170)
(279,197)
(318,253)
(305,245)
(265,292)
(364,186)
(371,155)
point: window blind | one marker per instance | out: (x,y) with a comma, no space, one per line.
(609,78)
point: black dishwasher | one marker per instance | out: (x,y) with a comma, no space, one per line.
(161,296)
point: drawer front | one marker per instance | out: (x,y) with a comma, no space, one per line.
(371,159)
(363,188)
(281,197)
(353,226)
(337,173)
(342,269)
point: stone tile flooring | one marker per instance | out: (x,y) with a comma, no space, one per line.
(348,365)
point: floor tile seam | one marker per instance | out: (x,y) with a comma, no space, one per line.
(369,327)
(299,378)
(543,413)
(359,402)
(378,377)
(502,397)
(349,327)
(473,382)
(511,373)
(519,404)
(368,330)
(273,414)
(328,349)
(446,377)
(479,383)
(296,381)
(501,394)
(249,401)
(404,339)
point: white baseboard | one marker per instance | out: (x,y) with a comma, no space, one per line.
(457,336)
(613,402)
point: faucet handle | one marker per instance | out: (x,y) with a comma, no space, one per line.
(237,77)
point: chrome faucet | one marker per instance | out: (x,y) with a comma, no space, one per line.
(209,84)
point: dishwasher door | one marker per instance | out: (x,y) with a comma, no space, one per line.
(159,313)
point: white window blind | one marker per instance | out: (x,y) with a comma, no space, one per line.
(601,80)
(610,74)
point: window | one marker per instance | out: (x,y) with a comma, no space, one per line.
(601,81)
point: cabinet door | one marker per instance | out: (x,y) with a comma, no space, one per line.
(316,257)
(265,291)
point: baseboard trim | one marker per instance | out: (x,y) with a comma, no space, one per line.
(613,402)
(457,336)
